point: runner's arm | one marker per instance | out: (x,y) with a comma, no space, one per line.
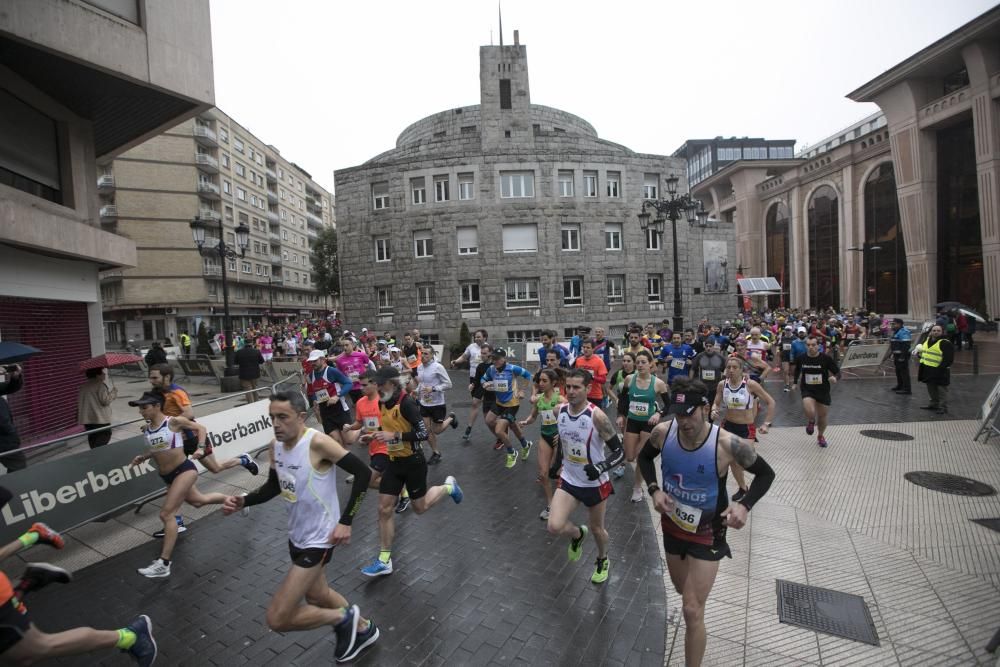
(744,454)
(623,397)
(188,424)
(410,411)
(445,380)
(268,489)
(758,390)
(613,441)
(334,452)
(646,461)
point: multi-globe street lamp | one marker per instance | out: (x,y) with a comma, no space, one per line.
(671,208)
(224,251)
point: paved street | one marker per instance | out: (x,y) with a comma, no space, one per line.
(483,583)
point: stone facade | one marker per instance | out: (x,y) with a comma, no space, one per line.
(482,152)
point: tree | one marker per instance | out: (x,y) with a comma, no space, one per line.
(326,262)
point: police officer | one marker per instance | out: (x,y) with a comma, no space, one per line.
(900,346)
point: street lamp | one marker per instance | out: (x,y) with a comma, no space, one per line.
(671,209)
(874,249)
(224,252)
(270,292)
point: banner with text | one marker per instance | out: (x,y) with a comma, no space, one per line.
(865,355)
(238,430)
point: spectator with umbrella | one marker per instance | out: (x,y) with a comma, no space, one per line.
(93,406)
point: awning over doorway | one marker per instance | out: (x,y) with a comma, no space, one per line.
(759,286)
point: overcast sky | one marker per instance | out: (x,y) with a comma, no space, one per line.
(332,84)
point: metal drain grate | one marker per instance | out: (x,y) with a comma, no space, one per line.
(824,610)
(992,524)
(953,484)
(886,435)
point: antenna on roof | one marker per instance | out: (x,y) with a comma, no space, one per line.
(500,13)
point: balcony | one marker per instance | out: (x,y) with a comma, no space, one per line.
(111,276)
(314,220)
(209,214)
(209,190)
(105,182)
(276,259)
(205,136)
(274,236)
(312,233)
(109,213)
(272,197)
(271,176)
(206,163)
(211,271)
(273,218)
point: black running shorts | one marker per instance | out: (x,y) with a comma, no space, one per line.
(379,462)
(635,426)
(507,412)
(821,397)
(436,413)
(335,418)
(309,557)
(408,471)
(683,548)
(588,495)
(169,478)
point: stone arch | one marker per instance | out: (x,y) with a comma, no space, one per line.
(823,215)
(778,248)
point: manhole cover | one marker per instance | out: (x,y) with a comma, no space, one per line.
(992,524)
(953,484)
(886,435)
(824,610)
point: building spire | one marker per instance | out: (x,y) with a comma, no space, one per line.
(500,13)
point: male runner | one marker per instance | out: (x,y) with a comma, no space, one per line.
(411,350)
(709,366)
(327,390)
(594,365)
(677,356)
(584,429)
(431,381)
(501,379)
(694,460)
(472,356)
(818,371)
(402,431)
(302,461)
(368,420)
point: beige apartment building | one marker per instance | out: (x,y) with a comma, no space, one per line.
(211,167)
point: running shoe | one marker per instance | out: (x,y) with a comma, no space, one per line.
(498,445)
(346,632)
(377,568)
(525,450)
(403,504)
(143,651)
(787,389)
(601,571)
(467,434)
(511,459)
(39,575)
(821,441)
(456,491)
(47,536)
(359,640)
(181,528)
(246,510)
(156,570)
(576,546)
(810,427)
(618,472)
(544,515)
(637,495)
(454,420)
(738,496)
(247,462)
(434,459)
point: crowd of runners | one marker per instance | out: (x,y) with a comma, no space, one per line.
(690,403)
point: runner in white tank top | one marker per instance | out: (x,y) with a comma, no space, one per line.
(313,507)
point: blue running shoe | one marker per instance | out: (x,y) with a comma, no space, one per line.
(247,462)
(377,568)
(456,491)
(144,649)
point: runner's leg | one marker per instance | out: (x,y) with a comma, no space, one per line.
(698,584)
(822,411)
(595,519)
(36,645)
(286,613)
(176,494)
(560,510)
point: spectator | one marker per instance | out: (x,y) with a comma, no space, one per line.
(249,359)
(9,438)
(156,354)
(93,406)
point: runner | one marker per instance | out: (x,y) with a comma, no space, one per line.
(39,533)
(818,371)
(472,356)
(431,381)
(402,431)
(352,363)
(617,382)
(166,447)
(709,366)
(594,365)
(302,473)
(327,389)
(501,379)
(785,342)
(739,396)
(489,398)
(546,404)
(411,350)
(637,413)
(584,429)
(368,419)
(677,356)
(694,460)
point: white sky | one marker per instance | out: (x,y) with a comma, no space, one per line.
(332,83)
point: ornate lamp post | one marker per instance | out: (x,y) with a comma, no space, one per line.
(224,252)
(671,209)
(874,288)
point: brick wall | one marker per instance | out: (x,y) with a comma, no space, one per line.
(47,402)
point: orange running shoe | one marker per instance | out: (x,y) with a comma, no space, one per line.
(47,536)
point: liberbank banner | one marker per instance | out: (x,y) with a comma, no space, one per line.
(75,489)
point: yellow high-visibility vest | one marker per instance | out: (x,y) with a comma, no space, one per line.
(931,355)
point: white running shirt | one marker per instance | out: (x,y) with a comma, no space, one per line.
(581,444)
(313,505)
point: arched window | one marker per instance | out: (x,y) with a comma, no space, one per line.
(885,255)
(778,249)
(824,244)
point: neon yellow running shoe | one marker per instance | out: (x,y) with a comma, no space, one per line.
(511,459)
(601,573)
(576,546)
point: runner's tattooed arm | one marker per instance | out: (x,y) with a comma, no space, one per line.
(744,454)
(614,442)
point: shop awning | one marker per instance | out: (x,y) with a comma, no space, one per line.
(759,286)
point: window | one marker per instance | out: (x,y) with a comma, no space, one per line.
(425,298)
(613,236)
(654,288)
(240,169)
(231,265)
(227,187)
(520,238)
(245,266)
(229,214)
(565,183)
(225,160)
(224,135)
(468,241)
(465,184)
(253,200)
(573,291)
(259,269)
(470,296)
(654,240)
(614,180)
(423,244)
(505,93)
(419,190)
(237,144)
(383,297)
(284,234)
(441,191)
(570,237)
(522,292)
(590,184)
(517,184)
(380,195)
(616,289)
(650,185)
(524,336)
(241,194)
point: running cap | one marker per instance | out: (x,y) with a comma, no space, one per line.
(686,402)
(148,398)
(385,374)
(801,330)
(363,330)
(393,348)
(381,341)
(316,354)
(499,352)
(789,327)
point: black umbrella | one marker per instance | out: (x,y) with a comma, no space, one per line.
(12,352)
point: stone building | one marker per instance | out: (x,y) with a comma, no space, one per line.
(516,217)
(898,212)
(80,82)
(212,167)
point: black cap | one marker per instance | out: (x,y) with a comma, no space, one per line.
(499,352)
(385,374)
(897,320)
(148,398)
(686,402)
